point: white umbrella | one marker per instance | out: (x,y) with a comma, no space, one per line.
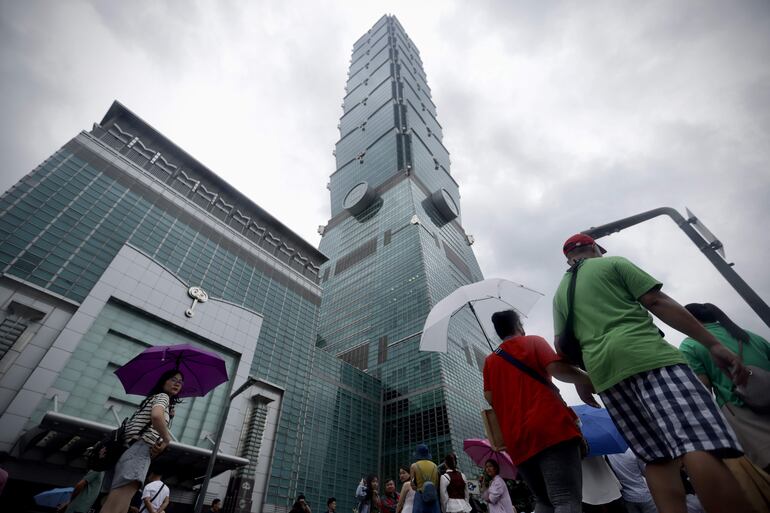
(483,298)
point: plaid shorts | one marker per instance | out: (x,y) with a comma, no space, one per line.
(665,413)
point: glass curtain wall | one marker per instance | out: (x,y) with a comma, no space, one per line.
(396,246)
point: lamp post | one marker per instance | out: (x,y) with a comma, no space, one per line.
(712,249)
(214,450)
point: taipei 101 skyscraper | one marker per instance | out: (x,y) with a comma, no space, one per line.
(396,246)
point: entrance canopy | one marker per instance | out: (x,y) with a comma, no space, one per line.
(61,440)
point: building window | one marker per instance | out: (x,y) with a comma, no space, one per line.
(355,256)
(382,353)
(17,319)
(357,357)
(480,357)
(467,351)
(458,262)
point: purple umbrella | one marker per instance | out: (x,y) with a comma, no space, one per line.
(202,371)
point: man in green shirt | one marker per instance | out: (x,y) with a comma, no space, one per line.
(85,492)
(655,400)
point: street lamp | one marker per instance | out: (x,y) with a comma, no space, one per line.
(704,240)
(214,450)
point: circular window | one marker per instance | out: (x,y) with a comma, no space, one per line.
(445,204)
(450,202)
(358,198)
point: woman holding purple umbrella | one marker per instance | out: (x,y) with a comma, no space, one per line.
(148,435)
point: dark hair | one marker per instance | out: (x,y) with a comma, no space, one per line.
(297,506)
(215,501)
(450,460)
(405,468)
(506,323)
(707,312)
(369,487)
(389,480)
(494,464)
(330,500)
(158,388)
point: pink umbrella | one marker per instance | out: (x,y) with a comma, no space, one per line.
(480,451)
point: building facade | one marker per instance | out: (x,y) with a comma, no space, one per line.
(99,247)
(102,245)
(396,246)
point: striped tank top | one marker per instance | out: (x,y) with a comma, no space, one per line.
(142,417)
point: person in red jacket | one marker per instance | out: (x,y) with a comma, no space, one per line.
(541,433)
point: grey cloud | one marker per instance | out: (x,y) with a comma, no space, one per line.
(558,116)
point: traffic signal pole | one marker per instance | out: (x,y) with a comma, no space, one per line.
(709,249)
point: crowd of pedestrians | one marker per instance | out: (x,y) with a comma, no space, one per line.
(689,450)
(607,344)
(425,487)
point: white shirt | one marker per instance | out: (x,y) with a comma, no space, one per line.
(630,471)
(453,505)
(600,486)
(149,492)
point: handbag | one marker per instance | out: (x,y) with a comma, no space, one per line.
(492,429)
(523,367)
(754,393)
(105,453)
(567,343)
(752,481)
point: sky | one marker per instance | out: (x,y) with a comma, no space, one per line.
(558,116)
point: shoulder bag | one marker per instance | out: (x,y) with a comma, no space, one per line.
(568,344)
(105,453)
(754,393)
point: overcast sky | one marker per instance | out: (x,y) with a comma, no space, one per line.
(558,115)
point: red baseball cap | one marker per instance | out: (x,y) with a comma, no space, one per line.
(580,240)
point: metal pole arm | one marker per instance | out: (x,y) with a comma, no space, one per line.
(616,226)
(218,440)
(708,249)
(249,382)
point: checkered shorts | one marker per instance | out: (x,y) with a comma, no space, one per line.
(665,413)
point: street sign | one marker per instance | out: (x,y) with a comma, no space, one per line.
(705,233)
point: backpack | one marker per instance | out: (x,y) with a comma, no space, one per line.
(456,484)
(429,493)
(105,453)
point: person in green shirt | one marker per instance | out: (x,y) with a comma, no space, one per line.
(752,428)
(656,401)
(85,492)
